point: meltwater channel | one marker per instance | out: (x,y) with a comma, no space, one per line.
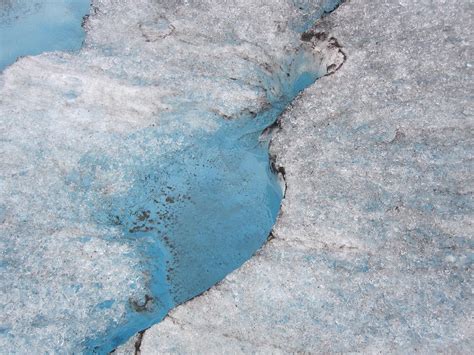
(134,173)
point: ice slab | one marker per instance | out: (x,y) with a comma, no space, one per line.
(133,174)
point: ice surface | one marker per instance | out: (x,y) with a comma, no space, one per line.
(133,174)
(373,249)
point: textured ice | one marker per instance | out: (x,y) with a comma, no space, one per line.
(373,251)
(133,173)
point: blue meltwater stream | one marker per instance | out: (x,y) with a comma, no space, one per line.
(135,175)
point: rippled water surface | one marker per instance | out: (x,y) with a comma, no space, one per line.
(29,27)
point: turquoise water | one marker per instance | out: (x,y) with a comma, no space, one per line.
(196,208)
(197,215)
(29,27)
(194,221)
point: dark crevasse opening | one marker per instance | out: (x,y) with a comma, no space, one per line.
(188,197)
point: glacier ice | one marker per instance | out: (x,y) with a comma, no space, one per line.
(133,173)
(373,250)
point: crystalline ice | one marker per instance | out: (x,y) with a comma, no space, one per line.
(373,250)
(132,174)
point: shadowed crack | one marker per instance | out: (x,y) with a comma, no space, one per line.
(138,342)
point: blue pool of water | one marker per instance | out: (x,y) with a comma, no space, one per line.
(29,27)
(196,215)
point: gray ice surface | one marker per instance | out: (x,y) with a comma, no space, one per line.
(373,247)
